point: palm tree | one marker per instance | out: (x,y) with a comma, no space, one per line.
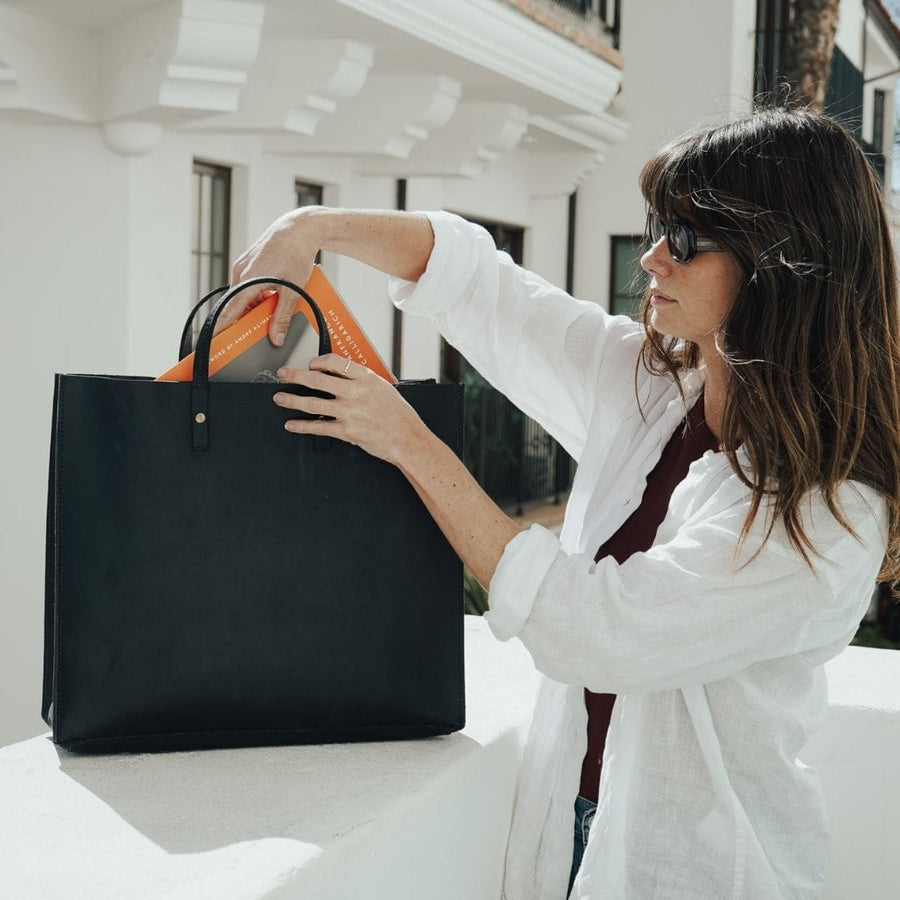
(809,48)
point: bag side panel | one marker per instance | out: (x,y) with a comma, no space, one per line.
(50,566)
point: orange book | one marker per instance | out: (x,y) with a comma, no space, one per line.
(243,351)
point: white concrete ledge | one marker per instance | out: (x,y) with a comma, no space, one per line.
(857,756)
(384,820)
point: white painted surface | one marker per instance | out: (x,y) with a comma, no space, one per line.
(422,818)
(678,78)
(856,754)
(385,820)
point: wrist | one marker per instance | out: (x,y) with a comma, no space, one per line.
(326,228)
(419,451)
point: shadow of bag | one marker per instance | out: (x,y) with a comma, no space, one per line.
(215,581)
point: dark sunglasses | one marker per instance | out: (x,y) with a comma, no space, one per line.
(681,239)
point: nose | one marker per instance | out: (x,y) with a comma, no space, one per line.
(657,260)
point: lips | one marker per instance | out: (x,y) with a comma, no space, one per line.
(659,299)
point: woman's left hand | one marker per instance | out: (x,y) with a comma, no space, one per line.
(365,410)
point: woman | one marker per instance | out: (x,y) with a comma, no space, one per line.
(738,492)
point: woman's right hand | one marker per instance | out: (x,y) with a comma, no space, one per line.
(286,249)
(397,243)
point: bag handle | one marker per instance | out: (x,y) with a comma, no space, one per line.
(200,380)
(185,345)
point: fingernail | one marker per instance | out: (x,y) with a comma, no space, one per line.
(282,372)
(278,340)
(278,398)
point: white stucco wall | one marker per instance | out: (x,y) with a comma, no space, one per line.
(678,79)
(64,262)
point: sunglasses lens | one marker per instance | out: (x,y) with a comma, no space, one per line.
(679,243)
(679,237)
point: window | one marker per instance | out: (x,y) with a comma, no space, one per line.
(510,455)
(844,93)
(308,194)
(212,215)
(878,121)
(509,238)
(772,23)
(626,277)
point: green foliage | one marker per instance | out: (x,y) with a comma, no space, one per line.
(871,636)
(476,603)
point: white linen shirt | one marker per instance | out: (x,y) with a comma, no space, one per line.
(716,656)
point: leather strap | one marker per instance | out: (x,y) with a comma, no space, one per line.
(200,380)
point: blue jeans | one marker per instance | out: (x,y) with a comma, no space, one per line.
(584,815)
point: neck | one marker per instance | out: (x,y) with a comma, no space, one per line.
(714,394)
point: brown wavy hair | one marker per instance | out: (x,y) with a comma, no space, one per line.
(812,340)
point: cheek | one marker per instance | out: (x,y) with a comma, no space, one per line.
(727,288)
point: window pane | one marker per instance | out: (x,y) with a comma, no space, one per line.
(195,275)
(211,220)
(308,194)
(878,121)
(627,278)
(205,214)
(195,230)
(218,215)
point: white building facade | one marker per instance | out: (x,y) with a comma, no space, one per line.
(125,125)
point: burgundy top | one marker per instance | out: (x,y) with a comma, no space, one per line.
(636,535)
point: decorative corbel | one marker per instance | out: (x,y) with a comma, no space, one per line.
(179,61)
(296,83)
(477,136)
(392,115)
(47,70)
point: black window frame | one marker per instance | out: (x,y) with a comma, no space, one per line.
(621,302)
(308,193)
(211,240)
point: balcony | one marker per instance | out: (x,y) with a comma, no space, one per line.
(592,24)
(385,820)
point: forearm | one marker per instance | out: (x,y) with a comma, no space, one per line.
(397,243)
(477,529)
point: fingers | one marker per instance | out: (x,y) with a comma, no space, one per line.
(281,318)
(304,403)
(348,401)
(322,371)
(336,365)
(329,412)
(250,266)
(242,303)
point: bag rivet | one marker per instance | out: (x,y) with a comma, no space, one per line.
(200,418)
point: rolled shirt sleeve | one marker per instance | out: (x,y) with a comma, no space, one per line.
(689,610)
(540,347)
(517,579)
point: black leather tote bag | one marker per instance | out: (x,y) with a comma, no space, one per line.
(214,581)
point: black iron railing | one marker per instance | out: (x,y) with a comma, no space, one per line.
(510,455)
(606,14)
